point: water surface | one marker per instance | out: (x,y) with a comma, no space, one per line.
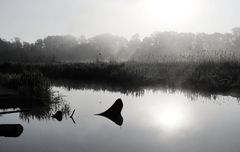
(154,121)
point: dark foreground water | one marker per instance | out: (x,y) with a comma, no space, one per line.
(156,121)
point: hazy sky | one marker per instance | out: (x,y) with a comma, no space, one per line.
(32,19)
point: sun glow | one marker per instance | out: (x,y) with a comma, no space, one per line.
(170,12)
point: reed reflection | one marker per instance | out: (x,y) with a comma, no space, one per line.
(30,110)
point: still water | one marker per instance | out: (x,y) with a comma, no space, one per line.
(153,121)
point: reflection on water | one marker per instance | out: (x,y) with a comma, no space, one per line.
(83,85)
(169,117)
(137,90)
(168,113)
(157,120)
(34,110)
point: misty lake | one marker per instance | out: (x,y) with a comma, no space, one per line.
(152,120)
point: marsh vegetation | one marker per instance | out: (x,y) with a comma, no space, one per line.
(212,77)
(206,64)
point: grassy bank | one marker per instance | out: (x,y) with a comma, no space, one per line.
(31,93)
(28,85)
(213,77)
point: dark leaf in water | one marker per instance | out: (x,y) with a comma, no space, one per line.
(114,112)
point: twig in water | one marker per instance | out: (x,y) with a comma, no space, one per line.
(72,113)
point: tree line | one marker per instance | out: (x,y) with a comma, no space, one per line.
(158,47)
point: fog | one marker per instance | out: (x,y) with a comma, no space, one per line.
(158,47)
(33,19)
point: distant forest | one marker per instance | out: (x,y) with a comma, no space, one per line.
(158,47)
